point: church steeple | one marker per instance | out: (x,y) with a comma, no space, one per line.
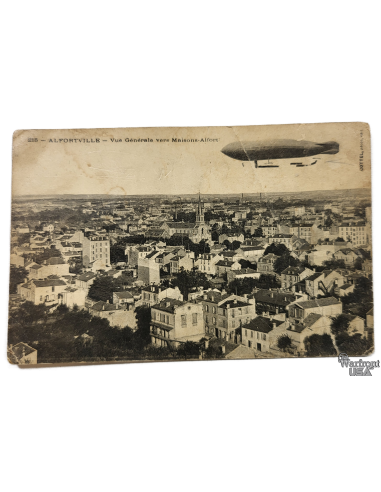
(200,212)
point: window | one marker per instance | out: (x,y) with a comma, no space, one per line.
(183,320)
(167,320)
(207,308)
(214,321)
(252,333)
(245,333)
(214,310)
(194,318)
(257,335)
(52,288)
(263,336)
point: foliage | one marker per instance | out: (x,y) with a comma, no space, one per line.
(235,245)
(17,276)
(186,281)
(285,261)
(258,232)
(247,264)
(361,299)
(284,342)
(103,287)
(340,324)
(46,254)
(188,350)
(117,253)
(334,264)
(319,345)
(354,345)
(23,239)
(277,249)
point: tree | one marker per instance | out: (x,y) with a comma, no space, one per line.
(103,287)
(283,262)
(186,281)
(17,276)
(284,342)
(117,253)
(235,245)
(47,254)
(319,345)
(358,264)
(361,299)
(277,249)
(228,244)
(334,264)
(258,232)
(188,350)
(142,335)
(340,324)
(241,286)
(354,345)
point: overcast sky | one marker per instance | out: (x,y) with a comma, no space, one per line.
(125,168)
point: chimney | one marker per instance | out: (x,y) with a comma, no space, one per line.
(235,301)
(206,344)
(223,349)
(271,294)
(245,296)
(168,303)
(205,297)
(227,306)
(274,326)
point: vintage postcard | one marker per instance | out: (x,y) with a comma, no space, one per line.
(165,244)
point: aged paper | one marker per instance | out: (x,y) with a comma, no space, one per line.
(145,244)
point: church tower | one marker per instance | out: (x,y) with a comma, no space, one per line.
(200,220)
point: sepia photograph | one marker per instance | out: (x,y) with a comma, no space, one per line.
(169,244)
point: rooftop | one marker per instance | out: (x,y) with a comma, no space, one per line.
(262,324)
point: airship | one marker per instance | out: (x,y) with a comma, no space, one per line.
(267,150)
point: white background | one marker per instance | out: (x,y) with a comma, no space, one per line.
(199,57)
(142,434)
(190,434)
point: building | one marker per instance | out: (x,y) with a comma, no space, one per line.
(231,238)
(225,314)
(286,239)
(251,253)
(117,316)
(347,255)
(241,274)
(155,293)
(196,232)
(149,268)
(123,299)
(22,353)
(313,324)
(52,266)
(174,322)
(355,232)
(292,275)
(326,306)
(266,263)
(96,248)
(225,266)
(206,263)
(85,280)
(261,333)
(181,262)
(17,260)
(273,301)
(72,296)
(42,291)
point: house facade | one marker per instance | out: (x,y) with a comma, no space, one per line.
(174,322)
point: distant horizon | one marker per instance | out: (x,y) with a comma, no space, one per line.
(115,196)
